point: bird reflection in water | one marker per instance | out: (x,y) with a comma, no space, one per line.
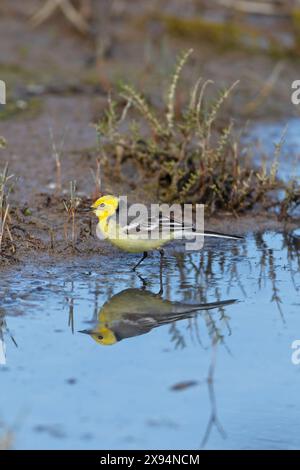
(134,312)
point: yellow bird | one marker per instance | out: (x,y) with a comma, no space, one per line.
(134,312)
(136,236)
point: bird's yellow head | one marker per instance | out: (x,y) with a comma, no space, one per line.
(102,335)
(105,206)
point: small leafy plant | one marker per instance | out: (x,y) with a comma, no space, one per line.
(5,189)
(2,142)
(185,153)
(71,208)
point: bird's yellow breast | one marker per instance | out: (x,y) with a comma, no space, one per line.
(130,243)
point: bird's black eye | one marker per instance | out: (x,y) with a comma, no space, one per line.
(100,337)
(102,204)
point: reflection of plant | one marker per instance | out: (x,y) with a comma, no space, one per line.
(268,267)
(291,245)
(70,302)
(177,337)
(268,271)
(193,328)
(2,341)
(4,330)
(213,419)
(207,266)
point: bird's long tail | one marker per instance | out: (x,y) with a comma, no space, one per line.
(206,306)
(209,233)
(182,311)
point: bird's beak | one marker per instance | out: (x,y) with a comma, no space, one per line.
(87,332)
(93,209)
(94,206)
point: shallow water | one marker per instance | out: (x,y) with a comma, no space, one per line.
(169,386)
(266,135)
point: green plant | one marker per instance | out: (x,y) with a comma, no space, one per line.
(5,189)
(291,200)
(71,207)
(185,153)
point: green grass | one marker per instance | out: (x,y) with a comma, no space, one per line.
(20,108)
(18,77)
(233,33)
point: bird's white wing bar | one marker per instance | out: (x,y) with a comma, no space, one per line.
(151,226)
(164,225)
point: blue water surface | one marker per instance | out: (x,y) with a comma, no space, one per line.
(60,389)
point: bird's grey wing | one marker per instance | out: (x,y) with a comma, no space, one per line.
(178,311)
(156,225)
(138,323)
(134,324)
(164,225)
(130,326)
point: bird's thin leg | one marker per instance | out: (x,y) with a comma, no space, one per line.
(141,260)
(144,282)
(161,289)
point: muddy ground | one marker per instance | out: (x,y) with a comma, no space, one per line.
(58,80)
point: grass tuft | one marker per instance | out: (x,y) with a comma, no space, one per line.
(71,207)
(2,142)
(6,187)
(188,155)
